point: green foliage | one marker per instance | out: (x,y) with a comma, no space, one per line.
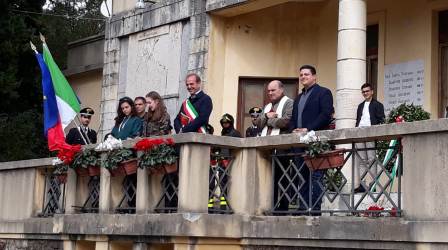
(317,147)
(162,154)
(333,178)
(22,137)
(86,158)
(60,169)
(21,126)
(116,156)
(409,112)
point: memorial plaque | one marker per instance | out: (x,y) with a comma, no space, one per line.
(403,83)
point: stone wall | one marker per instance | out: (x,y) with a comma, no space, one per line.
(8,244)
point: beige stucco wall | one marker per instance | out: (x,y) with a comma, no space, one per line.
(271,42)
(122,5)
(275,41)
(88,88)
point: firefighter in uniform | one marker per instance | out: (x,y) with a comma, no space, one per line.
(82,134)
(253,130)
(221,159)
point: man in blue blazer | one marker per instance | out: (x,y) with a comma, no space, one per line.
(311,111)
(195,111)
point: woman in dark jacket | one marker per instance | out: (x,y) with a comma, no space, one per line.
(157,120)
(127,124)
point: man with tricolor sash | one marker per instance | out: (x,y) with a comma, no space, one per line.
(195,110)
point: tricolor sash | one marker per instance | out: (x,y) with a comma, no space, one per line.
(188,114)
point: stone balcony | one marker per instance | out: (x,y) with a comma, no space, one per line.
(421,223)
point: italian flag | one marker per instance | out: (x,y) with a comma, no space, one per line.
(66,99)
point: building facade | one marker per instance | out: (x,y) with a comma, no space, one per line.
(239,46)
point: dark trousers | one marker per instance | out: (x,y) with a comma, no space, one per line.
(309,185)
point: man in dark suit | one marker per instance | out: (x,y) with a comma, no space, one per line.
(311,111)
(370,112)
(195,111)
(82,134)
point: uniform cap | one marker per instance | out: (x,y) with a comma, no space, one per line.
(255,111)
(87,112)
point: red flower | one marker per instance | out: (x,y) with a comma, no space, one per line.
(144,145)
(158,141)
(373,208)
(399,119)
(169,141)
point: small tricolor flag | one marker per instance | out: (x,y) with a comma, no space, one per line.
(60,101)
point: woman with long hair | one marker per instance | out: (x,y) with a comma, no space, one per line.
(127,124)
(157,120)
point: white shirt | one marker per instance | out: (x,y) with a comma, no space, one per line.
(365,118)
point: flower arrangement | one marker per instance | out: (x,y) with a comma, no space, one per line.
(59,167)
(119,160)
(319,154)
(407,113)
(86,163)
(316,146)
(156,154)
(117,156)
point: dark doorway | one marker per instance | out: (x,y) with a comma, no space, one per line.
(252,93)
(372,56)
(443,63)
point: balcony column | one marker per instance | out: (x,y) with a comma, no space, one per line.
(351,67)
(70,191)
(251,182)
(351,60)
(194,164)
(105,192)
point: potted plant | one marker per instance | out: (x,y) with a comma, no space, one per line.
(65,158)
(86,163)
(119,160)
(60,170)
(157,155)
(319,154)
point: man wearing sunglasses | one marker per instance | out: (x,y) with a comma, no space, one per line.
(82,134)
(370,112)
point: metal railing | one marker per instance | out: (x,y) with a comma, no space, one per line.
(168,200)
(129,188)
(298,190)
(92,202)
(54,198)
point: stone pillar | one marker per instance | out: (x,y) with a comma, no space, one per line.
(351,60)
(142,201)
(194,166)
(425,177)
(105,193)
(69,245)
(70,191)
(149,191)
(140,246)
(351,67)
(251,182)
(102,245)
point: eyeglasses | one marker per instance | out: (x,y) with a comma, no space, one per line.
(365,91)
(86,117)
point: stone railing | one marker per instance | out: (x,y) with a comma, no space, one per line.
(250,189)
